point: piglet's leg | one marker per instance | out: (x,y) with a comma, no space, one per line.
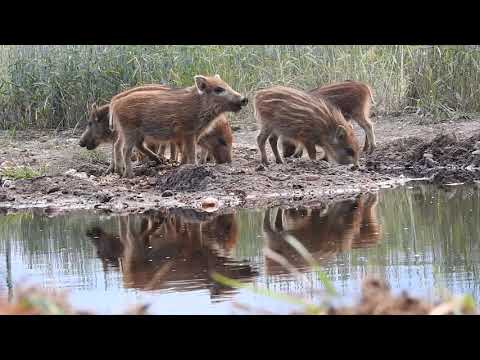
(261,140)
(312,152)
(145,150)
(203,155)
(274,145)
(190,151)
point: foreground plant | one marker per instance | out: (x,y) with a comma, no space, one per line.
(20,172)
(376,299)
(35,301)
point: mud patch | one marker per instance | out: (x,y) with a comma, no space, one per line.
(377,299)
(445,154)
(95,169)
(447,158)
(187,178)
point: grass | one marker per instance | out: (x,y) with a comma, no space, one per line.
(307,307)
(21,172)
(12,132)
(380,303)
(53,86)
(92,156)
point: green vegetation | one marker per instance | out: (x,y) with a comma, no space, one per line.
(21,172)
(52,86)
(92,156)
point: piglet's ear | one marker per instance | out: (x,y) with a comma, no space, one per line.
(201,83)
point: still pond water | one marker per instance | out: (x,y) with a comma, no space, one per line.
(419,238)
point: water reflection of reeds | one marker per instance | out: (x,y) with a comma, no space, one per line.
(417,238)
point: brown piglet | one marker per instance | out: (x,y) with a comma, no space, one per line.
(178,115)
(217,141)
(302,119)
(354,99)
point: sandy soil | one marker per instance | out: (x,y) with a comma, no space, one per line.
(407,147)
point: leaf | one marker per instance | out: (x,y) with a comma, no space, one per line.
(321,275)
(223,280)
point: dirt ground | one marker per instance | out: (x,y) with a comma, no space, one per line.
(448,152)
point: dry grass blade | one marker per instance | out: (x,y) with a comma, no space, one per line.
(309,308)
(297,245)
(269,253)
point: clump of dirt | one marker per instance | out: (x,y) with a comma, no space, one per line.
(377,299)
(188,178)
(36,301)
(94,169)
(444,159)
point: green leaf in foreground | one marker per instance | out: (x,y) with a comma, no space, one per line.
(309,308)
(20,173)
(321,275)
(468,304)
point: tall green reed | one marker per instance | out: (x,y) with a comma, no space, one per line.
(53,86)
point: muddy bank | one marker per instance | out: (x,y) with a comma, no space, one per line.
(245,184)
(447,158)
(71,177)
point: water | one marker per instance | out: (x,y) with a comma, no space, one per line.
(422,239)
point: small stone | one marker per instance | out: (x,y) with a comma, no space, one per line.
(430,162)
(260,168)
(8,184)
(53,189)
(209,204)
(75,173)
(7,164)
(297,186)
(167,193)
(104,198)
(70,172)
(476,152)
(428,156)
